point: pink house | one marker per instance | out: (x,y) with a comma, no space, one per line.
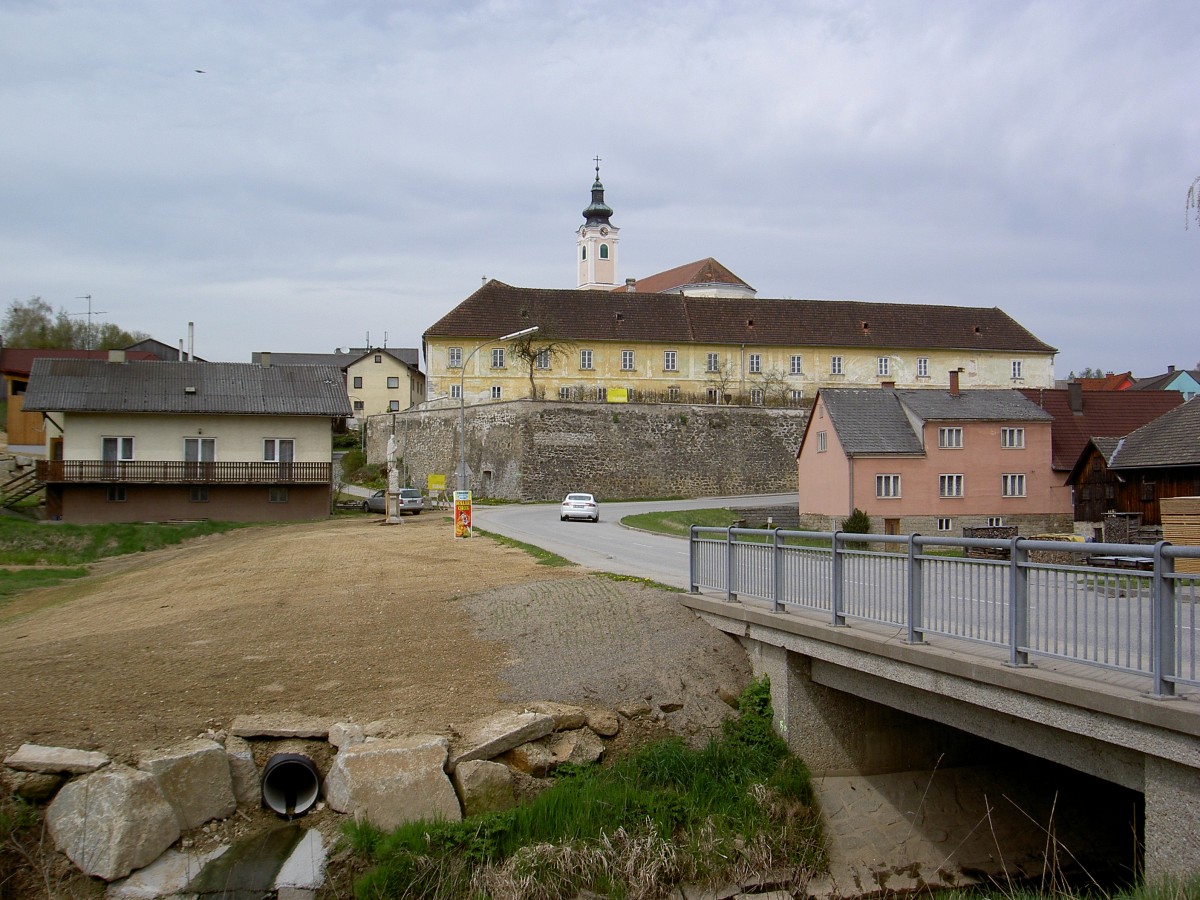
(929,461)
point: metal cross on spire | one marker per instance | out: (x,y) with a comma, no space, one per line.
(597,167)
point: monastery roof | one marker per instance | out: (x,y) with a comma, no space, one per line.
(701,272)
(568,314)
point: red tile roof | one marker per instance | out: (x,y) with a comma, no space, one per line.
(702,271)
(568,314)
(1108,414)
(1109,382)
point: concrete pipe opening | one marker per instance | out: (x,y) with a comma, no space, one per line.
(291,784)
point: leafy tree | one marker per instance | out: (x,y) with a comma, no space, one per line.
(529,347)
(35,324)
(1087,373)
(1193,203)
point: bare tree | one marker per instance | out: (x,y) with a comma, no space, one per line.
(1193,203)
(722,379)
(774,385)
(538,351)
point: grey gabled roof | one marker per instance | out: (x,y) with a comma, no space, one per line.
(874,421)
(85,385)
(410,356)
(1173,439)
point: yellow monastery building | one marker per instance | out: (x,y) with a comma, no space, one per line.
(699,334)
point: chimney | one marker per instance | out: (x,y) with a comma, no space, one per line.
(191,341)
(630,285)
(116,356)
(954,382)
(264,359)
(1170,369)
(1075,397)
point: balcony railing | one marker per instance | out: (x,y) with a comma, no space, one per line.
(58,471)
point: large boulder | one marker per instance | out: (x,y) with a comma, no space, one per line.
(280,725)
(489,737)
(247,789)
(37,758)
(390,782)
(484,786)
(112,821)
(566,716)
(195,779)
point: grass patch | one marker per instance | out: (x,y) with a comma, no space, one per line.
(13,581)
(644,582)
(677,522)
(544,557)
(24,543)
(662,816)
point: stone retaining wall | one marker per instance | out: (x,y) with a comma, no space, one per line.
(539,450)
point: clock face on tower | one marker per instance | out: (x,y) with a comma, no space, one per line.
(604,231)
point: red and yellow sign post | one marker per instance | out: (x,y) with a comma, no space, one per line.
(462,514)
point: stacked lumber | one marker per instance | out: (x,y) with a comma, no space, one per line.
(1181,525)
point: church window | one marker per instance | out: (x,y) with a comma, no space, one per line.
(604,251)
(583,252)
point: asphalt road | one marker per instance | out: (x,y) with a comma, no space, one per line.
(607,545)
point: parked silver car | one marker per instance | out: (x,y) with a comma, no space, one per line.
(580,506)
(410,501)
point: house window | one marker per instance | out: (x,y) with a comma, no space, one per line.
(713,363)
(564,393)
(116,493)
(756,396)
(950,438)
(498,358)
(669,364)
(1012,438)
(585,359)
(835,365)
(755,363)
(945,524)
(604,251)
(378,357)
(710,395)
(822,442)
(995,521)
(393,406)
(602,394)
(796,396)
(887,485)
(199,455)
(1012,485)
(922,366)
(358,406)
(542,361)
(279,450)
(950,486)
(393,382)
(455,360)
(277,494)
(198,493)
(358,381)
(673,392)
(496,392)
(627,360)
(797,367)
(883,366)
(1148,491)
(456,392)
(1017,370)
(116,449)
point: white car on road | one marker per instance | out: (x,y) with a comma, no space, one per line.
(580,506)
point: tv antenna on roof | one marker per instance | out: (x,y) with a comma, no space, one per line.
(90,312)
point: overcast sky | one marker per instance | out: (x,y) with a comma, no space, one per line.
(349,167)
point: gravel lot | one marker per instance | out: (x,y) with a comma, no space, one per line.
(347,619)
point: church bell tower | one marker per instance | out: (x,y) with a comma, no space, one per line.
(596,247)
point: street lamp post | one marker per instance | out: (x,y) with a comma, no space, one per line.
(462,402)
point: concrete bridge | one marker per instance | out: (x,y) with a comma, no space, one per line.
(892,658)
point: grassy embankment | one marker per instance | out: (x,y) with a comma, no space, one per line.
(38,554)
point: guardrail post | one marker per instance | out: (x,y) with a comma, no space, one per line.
(1018,604)
(916,593)
(730,596)
(1162,641)
(693,582)
(776,573)
(837,601)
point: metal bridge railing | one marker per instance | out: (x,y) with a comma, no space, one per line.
(1116,606)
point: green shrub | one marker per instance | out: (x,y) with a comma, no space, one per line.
(858,522)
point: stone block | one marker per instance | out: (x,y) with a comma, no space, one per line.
(389,782)
(346,734)
(484,786)
(489,737)
(247,786)
(603,721)
(112,821)
(165,877)
(580,747)
(196,780)
(566,716)
(304,870)
(36,787)
(534,758)
(280,725)
(36,758)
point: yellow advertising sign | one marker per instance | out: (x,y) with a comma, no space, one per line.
(462,514)
(618,395)
(436,483)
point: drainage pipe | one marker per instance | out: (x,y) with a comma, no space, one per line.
(291,784)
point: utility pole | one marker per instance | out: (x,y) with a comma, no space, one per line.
(90,312)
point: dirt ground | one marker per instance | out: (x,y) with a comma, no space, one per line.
(349,620)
